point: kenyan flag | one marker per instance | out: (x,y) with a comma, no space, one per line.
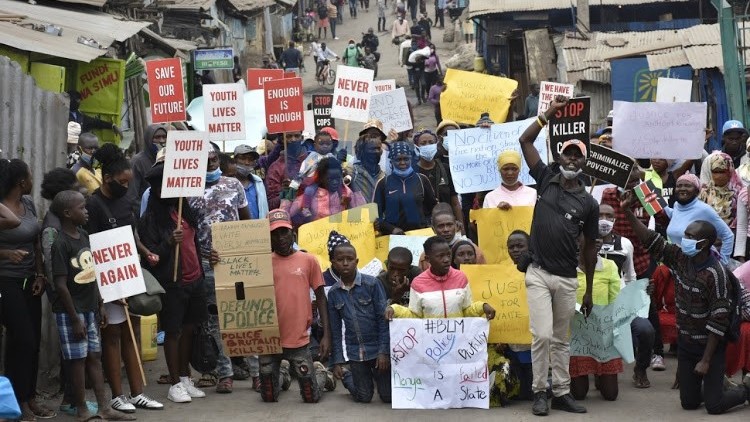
(650,197)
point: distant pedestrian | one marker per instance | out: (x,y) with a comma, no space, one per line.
(291,59)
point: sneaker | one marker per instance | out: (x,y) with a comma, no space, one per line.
(191,390)
(567,403)
(178,394)
(122,404)
(746,384)
(330,384)
(256,384)
(335,38)
(240,373)
(145,402)
(657,363)
(540,406)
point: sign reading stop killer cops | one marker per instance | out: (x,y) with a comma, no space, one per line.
(608,165)
(571,122)
(284,105)
(322,112)
(165,89)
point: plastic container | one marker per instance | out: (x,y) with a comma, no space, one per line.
(149,329)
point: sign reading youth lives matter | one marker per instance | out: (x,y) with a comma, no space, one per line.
(322,104)
(165,89)
(548,91)
(117,264)
(474,152)
(608,165)
(185,164)
(571,122)
(351,94)
(392,110)
(439,363)
(285,105)
(224,111)
(659,130)
(257,77)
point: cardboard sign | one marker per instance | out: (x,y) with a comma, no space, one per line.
(495,225)
(244,253)
(322,111)
(257,77)
(548,91)
(474,152)
(284,105)
(117,264)
(650,197)
(504,288)
(659,130)
(384,86)
(351,93)
(166,91)
(415,245)
(671,90)
(392,110)
(439,363)
(572,122)
(185,164)
(608,165)
(224,111)
(469,94)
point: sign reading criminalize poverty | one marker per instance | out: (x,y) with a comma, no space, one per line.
(224,111)
(185,162)
(351,94)
(571,122)
(392,110)
(166,91)
(321,111)
(608,165)
(439,363)
(257,77)
(285,105)
(548,91)
(116,263)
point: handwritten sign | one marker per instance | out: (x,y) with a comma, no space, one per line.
(355,224)
(101,83)
(608,165)
(244,253)
(474,152)
(257,77)
(392,110)
(439,363)
(284,105)
(321,111)
(469,94)
(605,334)
(415,244)
(384,86)
(224,111)
(117,264)
(549,90)
(504,288)
(659,130)
(185,162)
(572,122)
(671,90)
(351,93)
(165,89)
(495,225)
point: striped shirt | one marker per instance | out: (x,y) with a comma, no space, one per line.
(434,296)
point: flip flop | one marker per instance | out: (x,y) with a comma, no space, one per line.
(69,409)
(164,379)
(118,416)
(45,413)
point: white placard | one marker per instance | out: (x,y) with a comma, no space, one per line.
(116,263)
(224,111)
(415,245)
(548,91)
(439,363)
(671,90)
(473,154)
(372,268)
(384,86)
(659,130)
(309,122)
(392,110)
(185,163)
(351,93)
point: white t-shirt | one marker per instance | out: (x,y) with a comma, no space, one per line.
(521,197)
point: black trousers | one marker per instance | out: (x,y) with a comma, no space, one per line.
(717,399)
(21,315)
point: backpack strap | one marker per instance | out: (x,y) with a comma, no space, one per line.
(107,213)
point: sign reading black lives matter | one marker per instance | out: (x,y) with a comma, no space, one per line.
(322,111)
(608,165)
(571,122)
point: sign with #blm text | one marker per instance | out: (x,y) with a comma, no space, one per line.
(185,162)
(392,110)
(608,165)
(351,94)
(321,111)
(166,91)
(285,105)
(439,363)
(117,264)
(224,111)
(571,122)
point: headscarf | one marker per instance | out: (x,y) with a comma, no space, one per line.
(509,156)
(454,250)
(693,179)
(743,171)
(723,199)
(398,148)
(336,239)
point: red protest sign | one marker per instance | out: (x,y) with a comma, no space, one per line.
(166,91)
(289,75)
(284,105)
(256,77)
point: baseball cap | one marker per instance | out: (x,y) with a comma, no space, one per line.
(331,131)
(373,124)
(576,143)
(245,149)
(731,125)
(279,218)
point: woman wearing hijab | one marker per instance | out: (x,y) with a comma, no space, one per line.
(721,191)
(511,191)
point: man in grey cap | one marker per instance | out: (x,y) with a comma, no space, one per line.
(246,158)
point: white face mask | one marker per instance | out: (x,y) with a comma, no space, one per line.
(427,151)
(605,227)
(570,174)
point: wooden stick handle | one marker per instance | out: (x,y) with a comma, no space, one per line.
(593,183)
(135,345)
(177,247)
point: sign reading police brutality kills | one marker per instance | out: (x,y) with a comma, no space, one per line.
(224,111)
(474,152)
(185,164)
(439,363)
(165,89)
(548,91)
(351,94)
(117,264)
(469,94)
(392,110)
(257,77)
(608,165)
(284,105)
(663,130)
(322,111)
(571,122)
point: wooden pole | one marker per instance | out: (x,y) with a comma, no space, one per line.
(593,183)
(135,344)
(177,247)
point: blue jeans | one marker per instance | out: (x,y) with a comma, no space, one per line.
(643,342)
(359,381)
(300,365)
(332,22)
(224,364)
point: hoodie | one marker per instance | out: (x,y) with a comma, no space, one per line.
(142,163)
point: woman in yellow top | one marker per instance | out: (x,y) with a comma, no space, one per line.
(605,289)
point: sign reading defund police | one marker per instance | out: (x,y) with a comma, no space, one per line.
(571,122)
(608,165)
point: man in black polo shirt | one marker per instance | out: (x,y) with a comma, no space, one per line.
(563,212)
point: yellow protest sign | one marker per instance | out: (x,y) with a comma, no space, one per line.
(421,232)
(495,225)
(381,248)
(503,287)
(355,224)
(102,86)
(469,94)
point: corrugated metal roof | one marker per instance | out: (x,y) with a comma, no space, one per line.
(251,5)
(186,4)
(485,7)
(705,56)
(673,58)
(104,28)
(181,47)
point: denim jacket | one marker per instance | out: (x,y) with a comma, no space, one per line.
(361,309)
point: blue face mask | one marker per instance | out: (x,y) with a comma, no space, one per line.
(689,246)
(403,173)
(213,176)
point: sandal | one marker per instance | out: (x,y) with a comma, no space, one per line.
(206,380)
(41,412)
(27,417)
(641,380)
(224,386)
(164,380)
